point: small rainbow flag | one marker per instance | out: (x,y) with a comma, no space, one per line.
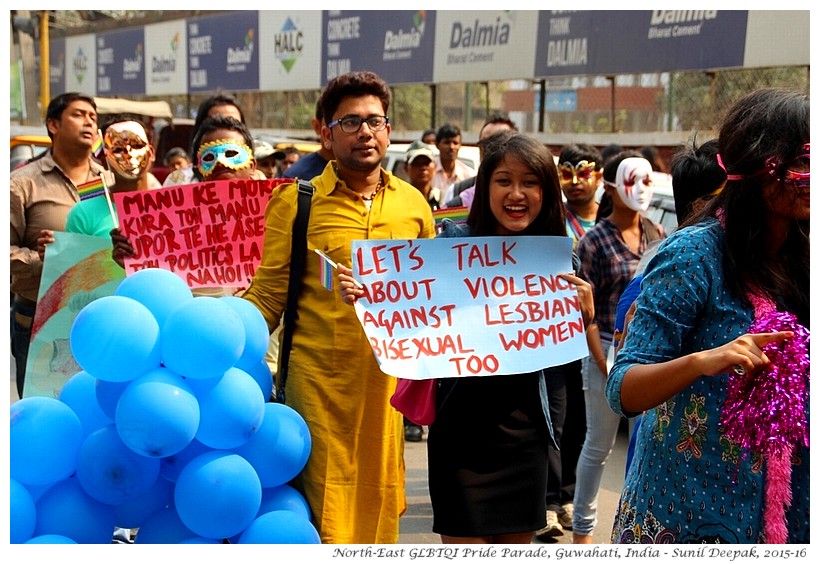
(96,149)
(459,214)
(91,189)
(326,273)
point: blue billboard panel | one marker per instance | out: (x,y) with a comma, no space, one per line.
(396,45)
(121,62)
(611,42)
(223,52)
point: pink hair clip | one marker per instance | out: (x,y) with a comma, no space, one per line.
(728,176)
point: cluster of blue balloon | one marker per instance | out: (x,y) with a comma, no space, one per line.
(167,429)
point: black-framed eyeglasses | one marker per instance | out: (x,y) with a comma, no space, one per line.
(352,124)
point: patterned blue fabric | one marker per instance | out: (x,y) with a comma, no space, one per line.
(687,483)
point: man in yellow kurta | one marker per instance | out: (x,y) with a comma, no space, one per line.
(354,478)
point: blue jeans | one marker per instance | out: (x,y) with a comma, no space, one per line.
(21,318)
(602,430)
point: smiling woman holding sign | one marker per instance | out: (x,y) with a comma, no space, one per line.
(487,448)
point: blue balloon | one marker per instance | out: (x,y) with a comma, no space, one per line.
(111,472)
(230,412)
(115,338)
(202,338)
(133,513)
(217,494)
(201,386)
(280,448)
(66,509)
(23,515)
(38,490)
(280,527)
(257,336)
(157,414)
(157,289)
(163,527)
(284,497)
(171,466)
(45,438)
(50,539)
(80,394)
(108,395)
(263,376)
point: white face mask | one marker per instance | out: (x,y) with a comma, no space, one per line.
(634,183)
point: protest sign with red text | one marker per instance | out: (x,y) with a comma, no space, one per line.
(479,306)
(209,233)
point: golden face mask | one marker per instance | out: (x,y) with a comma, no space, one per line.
(127,149)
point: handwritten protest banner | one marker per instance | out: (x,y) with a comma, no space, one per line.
(209,233)
(77,270)
(477,306)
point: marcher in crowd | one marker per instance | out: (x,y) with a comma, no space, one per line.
(312,164)
(463,191)
(609,254)
(717,352)
(580,172)
(419,165)
(487,448)
(41,195)
(129,156)
(448,168)
(354,478)
(177,158)
(216,105)
(290,155)
(266,157)
(429,136)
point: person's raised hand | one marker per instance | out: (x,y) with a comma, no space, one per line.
(348,287)
(584,296)
(122,247)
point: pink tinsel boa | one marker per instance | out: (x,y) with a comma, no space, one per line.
(765,411)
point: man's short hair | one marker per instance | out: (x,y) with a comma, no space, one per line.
(59,103)
(447,131)
(356,83)
(498,118)
(220,99)
(576,153)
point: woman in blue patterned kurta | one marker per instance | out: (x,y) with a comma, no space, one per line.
(688,482)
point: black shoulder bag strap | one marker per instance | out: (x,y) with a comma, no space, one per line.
(298,253)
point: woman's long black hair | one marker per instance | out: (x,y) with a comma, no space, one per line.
(770,123)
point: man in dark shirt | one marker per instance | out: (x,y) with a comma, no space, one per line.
(314,163)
